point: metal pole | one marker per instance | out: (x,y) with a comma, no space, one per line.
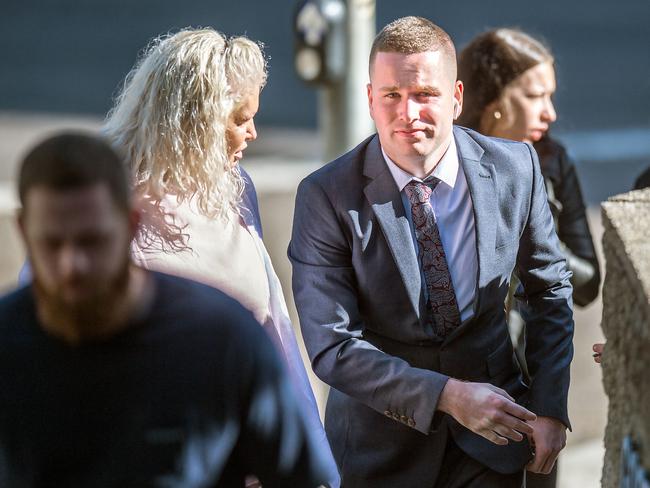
(343,114)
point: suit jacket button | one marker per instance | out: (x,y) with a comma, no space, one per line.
(388,413)
(411,423)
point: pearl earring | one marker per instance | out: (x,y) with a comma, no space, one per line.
(497,114)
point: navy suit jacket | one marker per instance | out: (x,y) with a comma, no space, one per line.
(359,297)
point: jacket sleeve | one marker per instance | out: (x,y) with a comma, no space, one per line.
(573,231)
(325,292)
(547,306)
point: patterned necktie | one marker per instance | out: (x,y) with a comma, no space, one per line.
(442,306)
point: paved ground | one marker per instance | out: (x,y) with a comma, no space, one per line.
(277,162)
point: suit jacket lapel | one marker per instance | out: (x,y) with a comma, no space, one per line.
(482,183)
(386,202)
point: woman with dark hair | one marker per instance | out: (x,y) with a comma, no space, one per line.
(509,80)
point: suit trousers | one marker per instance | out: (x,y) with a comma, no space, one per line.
(458,470)
(534,480)
(449,467)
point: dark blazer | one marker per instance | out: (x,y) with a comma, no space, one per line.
(361,309)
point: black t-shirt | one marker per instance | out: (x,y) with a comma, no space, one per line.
(190,395)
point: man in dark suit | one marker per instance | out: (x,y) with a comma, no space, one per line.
(402,252)
(115,376)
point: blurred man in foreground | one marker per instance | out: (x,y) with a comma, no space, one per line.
(115,376)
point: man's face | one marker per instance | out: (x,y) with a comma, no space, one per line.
(78,242)
(412,100)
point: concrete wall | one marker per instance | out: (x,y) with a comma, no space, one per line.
(626,324)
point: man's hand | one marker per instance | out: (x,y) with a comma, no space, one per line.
(486,410)
(548,439)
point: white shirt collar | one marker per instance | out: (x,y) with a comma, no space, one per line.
(446,170)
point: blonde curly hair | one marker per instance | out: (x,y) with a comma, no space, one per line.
(171,115)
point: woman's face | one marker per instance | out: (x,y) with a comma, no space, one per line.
(526,106)
(241,127)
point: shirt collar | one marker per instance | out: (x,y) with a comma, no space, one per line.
(446,170)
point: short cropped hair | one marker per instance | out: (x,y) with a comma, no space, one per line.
(72,160)
(490,62)
(170,117)
(413,35)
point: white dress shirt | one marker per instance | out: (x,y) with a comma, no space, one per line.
(454,214)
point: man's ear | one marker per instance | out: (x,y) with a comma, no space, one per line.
(20,223)
(458,99)
(370,100)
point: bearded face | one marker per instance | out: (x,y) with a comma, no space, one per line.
(88,312)
(78,242)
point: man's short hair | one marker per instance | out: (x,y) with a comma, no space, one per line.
(412,35)
(73,160)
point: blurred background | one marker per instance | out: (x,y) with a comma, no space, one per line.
(62,62)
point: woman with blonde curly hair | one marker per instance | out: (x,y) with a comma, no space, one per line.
(184,118)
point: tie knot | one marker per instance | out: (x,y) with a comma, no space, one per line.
(419,192)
